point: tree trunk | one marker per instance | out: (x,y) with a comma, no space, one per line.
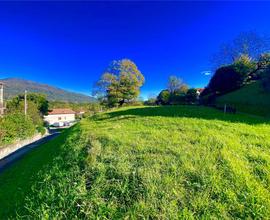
(121,102)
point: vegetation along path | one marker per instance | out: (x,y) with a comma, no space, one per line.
(13,157)
(173,162)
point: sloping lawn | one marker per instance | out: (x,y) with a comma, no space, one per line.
(251,99)
(17,180)
(173,162)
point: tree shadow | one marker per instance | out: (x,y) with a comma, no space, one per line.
(186,111)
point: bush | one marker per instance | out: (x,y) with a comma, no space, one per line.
(266,80)
(150,102)
(191,96)
(163,97)
(231,77)
(15,126)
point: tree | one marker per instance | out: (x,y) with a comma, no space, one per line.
(176,84)
(163,97)
(120,83)
(40,100)
(249,43)
(192,96)
(230,77)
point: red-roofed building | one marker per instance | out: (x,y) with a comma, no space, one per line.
(60,117)
(199,91)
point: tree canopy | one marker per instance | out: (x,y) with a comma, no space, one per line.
(248,43)
(120,83)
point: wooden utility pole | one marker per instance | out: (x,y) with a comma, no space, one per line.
(25,103)
(1,98)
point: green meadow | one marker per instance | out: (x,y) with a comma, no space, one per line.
(171,162)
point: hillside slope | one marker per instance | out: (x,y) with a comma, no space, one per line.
(15,86)
(250,99)
(171,162)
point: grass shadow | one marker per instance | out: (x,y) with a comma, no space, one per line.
(199,112)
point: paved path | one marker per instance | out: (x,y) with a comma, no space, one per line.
(10,159)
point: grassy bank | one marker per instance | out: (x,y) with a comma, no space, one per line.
(250,99)
(17,181)
(156,162)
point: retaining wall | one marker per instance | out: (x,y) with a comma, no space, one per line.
(10,148)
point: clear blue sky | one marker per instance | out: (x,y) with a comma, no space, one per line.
(69,44)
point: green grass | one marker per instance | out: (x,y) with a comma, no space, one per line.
(251,99)
(16,181)
(172,162)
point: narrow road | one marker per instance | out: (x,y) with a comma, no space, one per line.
(10,159)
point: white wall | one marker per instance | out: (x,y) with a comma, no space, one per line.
(51,119)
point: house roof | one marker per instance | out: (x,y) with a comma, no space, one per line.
(61,111)
(200,89)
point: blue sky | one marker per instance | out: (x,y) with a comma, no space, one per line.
(70,44)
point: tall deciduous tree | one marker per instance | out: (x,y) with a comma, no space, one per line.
(249,43)
(120,83)
(176,84)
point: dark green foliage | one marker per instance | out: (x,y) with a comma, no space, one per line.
(15,126)
(192,96)
(177,98)
(39,100)
(266,80)
(231,77)
(151,102)
(225,79)
(163,97)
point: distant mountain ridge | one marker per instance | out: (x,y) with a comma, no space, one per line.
(15,86)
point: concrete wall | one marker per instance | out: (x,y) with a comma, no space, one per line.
(8,149)
(51,119)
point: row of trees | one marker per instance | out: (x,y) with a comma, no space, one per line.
(121,83)
(177,92)
(236,63)
(242,61)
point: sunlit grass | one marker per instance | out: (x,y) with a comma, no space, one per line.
(158,163)
(182,161)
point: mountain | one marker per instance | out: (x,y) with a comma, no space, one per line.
(15,86)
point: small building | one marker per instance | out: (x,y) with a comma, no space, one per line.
(60,117)
(199,91)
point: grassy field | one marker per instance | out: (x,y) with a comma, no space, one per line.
(16,181)
(173,162)
(251,99)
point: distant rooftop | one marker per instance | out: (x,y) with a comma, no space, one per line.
(60,111)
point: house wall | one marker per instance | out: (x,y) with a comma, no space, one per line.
(51,119)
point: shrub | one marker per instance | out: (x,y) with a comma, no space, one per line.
(151,101)
(163,97)
(266,80)
(191,96)
(15,126)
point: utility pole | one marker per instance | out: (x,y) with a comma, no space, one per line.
(25,102)
(1,98)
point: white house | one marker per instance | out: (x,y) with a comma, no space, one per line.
(60,117)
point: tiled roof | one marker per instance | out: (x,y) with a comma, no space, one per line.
(60,111)
(200,89)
